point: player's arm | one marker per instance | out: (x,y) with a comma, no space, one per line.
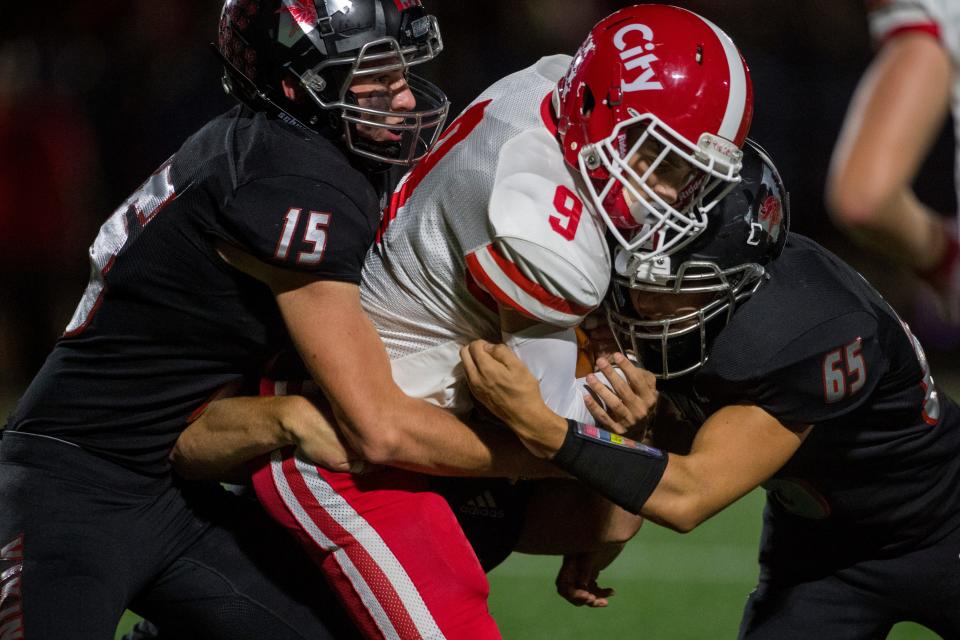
(232,431)
(540,294)
(735,450)
(346,358)
(551,354)
(896,112)
(546,267)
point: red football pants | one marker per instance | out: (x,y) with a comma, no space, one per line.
(391,548)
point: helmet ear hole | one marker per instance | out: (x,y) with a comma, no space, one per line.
(588,102)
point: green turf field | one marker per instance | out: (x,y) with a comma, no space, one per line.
(669,586)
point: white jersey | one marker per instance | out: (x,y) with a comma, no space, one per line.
(492,216)
(940,18)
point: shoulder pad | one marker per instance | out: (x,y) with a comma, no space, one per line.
(547,257)
(553,67)
(808,302)
(811,376)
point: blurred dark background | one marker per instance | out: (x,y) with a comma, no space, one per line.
(95,95)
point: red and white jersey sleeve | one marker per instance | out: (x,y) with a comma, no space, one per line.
(940,19)
(547,257)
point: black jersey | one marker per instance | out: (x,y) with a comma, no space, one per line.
(816,344)
(164,321)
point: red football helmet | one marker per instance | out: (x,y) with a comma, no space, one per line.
(652,112)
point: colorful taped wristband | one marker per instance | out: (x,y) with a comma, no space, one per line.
(623,470)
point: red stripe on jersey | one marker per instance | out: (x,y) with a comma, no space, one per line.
(11,597)
(533,289)
(930,28)
(488,285)
(377,581)
(455,133)
(477,292)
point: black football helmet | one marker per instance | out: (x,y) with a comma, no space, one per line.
(667,311)
(324,45)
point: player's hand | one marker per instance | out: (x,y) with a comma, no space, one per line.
(504,385)
(629,406)
(577,580)
(311,425)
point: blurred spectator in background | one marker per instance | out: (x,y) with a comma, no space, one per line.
(898,109)
(46,153)
(73,91)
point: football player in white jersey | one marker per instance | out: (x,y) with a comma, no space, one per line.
(894,117)
(503,232)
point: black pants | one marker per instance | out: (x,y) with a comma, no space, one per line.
(864,599)
(490,511)
(82,539)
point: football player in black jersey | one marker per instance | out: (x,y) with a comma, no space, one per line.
(787,370)
(93,519)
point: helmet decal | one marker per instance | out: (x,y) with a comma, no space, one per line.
(303,14)
(771,216)
(567,82)
(637,54)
